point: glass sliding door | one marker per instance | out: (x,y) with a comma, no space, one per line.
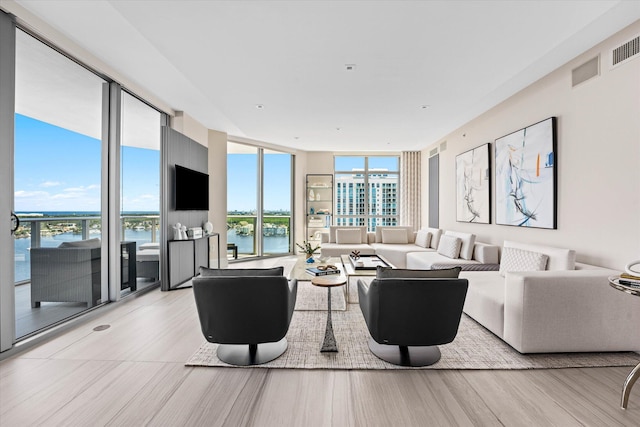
(276,202)
(139,195)
(242,200)
(58,187)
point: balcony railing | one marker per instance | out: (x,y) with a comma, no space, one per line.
(276,230)
(35,232)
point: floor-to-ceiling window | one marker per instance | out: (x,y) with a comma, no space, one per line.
(139,194)
(58,190)
(259,189)
(366,190)
(276,202)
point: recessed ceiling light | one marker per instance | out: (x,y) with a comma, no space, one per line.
(296,137)
(338,129)
(259,106)
(425,106)
(350,67)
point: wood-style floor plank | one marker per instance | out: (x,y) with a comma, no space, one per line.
(133,374)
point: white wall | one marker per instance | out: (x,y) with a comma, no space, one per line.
(598,158)
(217,143)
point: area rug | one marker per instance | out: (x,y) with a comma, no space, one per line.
(315,298)
(474,348)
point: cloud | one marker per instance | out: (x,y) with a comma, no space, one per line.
(22,194)
(47,184)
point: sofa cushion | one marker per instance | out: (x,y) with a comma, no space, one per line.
(394,236)
(435,237)
(468,242)
(335,249)
(394,273)
(514,259)
(334,228)
(215,272)
(89,243)
(559,258)
(348,236)
(427,259)
(148,255)
(449,246)
(486,253)
(423,238)
(408,230)
(397,254)
(486,299)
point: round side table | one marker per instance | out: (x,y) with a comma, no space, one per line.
(635,373)
(329,344)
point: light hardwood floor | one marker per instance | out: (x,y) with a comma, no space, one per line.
(133,374)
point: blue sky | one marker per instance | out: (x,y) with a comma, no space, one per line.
(242,182)
(60,170)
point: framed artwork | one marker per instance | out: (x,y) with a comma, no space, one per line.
(473,185)
(526,175)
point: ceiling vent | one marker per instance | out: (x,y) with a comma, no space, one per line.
(586,71)
(433,152)
(625,52)
(443,146)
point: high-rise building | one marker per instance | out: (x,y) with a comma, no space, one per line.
(370,199)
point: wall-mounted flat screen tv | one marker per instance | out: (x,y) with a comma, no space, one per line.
(191,190)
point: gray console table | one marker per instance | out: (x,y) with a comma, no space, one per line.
(186,256)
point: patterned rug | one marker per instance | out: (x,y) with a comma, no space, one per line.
(314,298)
(474,348)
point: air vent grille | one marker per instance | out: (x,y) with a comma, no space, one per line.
(433,152)
(625,51)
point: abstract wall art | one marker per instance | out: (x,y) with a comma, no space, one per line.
(526,175)
(473,185)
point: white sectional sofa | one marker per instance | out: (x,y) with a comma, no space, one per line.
(568,307)
(564,307)
(404,248)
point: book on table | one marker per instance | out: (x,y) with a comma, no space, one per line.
(629,282)
(314,271)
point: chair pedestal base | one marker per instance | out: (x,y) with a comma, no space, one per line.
(251,354)
(405,355)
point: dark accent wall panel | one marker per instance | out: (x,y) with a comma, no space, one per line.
(179,149)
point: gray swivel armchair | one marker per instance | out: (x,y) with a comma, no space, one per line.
(408,318)
(246,311)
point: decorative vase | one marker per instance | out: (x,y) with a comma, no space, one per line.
(311,196)
(310,259)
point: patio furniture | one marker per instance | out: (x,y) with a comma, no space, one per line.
(69,273)
(234,248)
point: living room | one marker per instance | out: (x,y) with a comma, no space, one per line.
(597,207)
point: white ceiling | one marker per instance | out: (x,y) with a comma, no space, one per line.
(216,60)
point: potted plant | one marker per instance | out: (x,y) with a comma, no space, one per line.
(308,249)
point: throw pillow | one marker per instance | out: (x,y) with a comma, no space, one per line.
(348,236)
(395,273)
(468,242)
(514,259)
(449,246)
(394,236)
(423,238)
(226,272)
